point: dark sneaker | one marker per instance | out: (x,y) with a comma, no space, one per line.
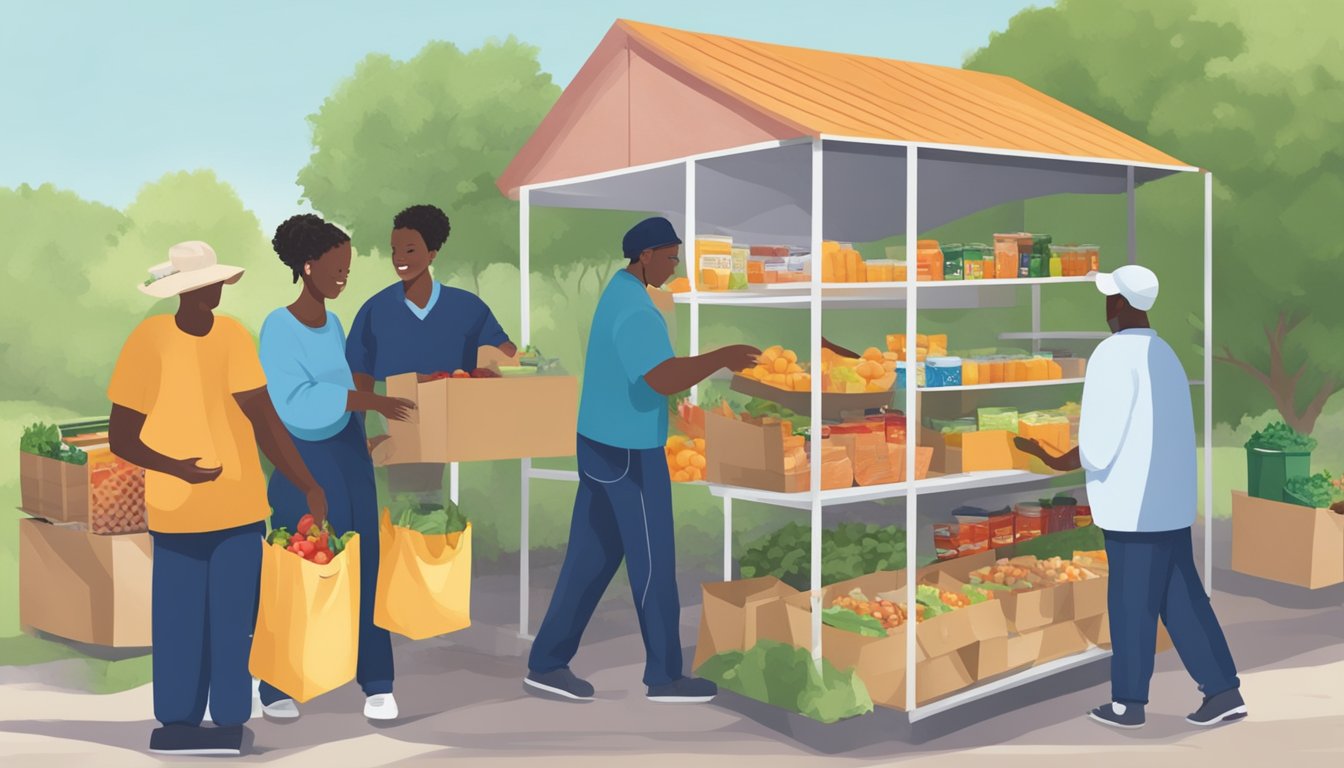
(561,682)
(1131,718)
(687,690)
(1225,707)
(186,740)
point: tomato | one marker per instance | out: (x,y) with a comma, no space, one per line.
(321,558)
(295,539)
(306,548)
(305,524)
(323,541)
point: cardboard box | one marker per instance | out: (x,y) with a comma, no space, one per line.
(106,494)
(1088,598)
(881,664)
(940,635)
(735,614)
(84,587)
(482,420)
(1286,542)
(1056,641)
(877,462)
(1097,631)
(988,659)
(749,456)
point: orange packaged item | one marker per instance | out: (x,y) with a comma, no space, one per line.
(986,451)
(972,536)
(837,472)
(1005,257)
(1038,369)
(1001,529)
(930,260)
(997,372)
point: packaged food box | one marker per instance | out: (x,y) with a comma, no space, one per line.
(84,587)
(105,495)
(943,372)
(987,450)
(482,420)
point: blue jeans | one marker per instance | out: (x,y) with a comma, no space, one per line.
(623,510)
(1152,575)
(342,467)
(204,589)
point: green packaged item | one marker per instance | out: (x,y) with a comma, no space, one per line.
(953,268)
(848,621)
(990,419)
(953,427)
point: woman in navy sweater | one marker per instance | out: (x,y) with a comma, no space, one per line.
(420,326)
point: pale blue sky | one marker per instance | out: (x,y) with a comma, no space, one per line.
(103,97)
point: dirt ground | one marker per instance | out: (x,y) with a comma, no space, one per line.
(461,699)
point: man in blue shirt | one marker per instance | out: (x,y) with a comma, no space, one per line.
(420,326)
(624,505)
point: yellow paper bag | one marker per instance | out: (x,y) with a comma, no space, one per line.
(307,634)
(424,582)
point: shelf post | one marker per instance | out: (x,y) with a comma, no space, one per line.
(688,251)
(525,481)
(1208,383)
(911,417)
(814,433)
(1131,206)
(454,478)
(727,538)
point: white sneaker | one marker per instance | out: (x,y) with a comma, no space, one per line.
(381,706)
(256,698)
(284,709)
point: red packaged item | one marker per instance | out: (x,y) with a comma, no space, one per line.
(1028,521)
(972,536)
(945,541)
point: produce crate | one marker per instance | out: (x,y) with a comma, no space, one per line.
(82,587)
(1287,543)
(1268,471)
(834,405)
(482,420)
(107,495)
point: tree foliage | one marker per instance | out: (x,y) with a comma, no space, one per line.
(1255,93)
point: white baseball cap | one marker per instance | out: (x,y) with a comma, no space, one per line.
(1137,284)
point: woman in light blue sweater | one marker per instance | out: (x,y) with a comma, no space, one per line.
(309,380)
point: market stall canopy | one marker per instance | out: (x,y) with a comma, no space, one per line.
(651,95)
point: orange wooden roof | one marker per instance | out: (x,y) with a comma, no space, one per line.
(725,92)
(840,94)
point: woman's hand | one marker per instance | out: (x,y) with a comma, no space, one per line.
(396,408)
(1031,448)
(317,505)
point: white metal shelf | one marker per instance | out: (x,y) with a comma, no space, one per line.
(1006,385)
(945,484)
(949,294)
(1015,680)
(1056,336)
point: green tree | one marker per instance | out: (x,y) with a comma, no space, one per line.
(53,240)
(439,128)
(1255,93)
(77,264)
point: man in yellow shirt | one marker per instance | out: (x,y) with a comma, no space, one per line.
(189,404)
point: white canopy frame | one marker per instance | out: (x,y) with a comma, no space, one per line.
(778,192)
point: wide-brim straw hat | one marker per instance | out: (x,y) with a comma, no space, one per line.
(190,266)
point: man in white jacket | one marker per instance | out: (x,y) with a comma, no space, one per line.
(1137,448)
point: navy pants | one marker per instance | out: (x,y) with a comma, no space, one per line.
(1152,575)
(204,588)
(623,511)
(342,467)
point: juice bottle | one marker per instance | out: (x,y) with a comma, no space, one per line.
(1024,252)
(1057,254)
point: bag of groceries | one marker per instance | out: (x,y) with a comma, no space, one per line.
(424,573)
(307,635)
